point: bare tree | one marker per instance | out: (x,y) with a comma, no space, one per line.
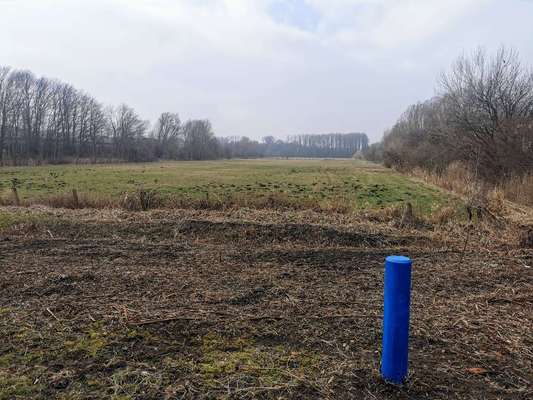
(4,107)
(483,116)
(200,142)
(489,105)
(167,132)
(126,127)
(45,120)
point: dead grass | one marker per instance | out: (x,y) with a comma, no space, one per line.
(245,303)
(518,189)
(457,178)
(144,200)
(479,197)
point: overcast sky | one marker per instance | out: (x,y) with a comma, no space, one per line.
(259,67)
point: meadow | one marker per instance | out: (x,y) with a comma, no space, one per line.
(298,183)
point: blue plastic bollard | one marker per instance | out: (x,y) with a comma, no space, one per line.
(395,352)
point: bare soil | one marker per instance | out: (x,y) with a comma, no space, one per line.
(255,304)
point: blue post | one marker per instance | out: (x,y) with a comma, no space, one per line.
(394,357)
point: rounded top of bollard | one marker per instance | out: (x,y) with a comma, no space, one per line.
(398,260)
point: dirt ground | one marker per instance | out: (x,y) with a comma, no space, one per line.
(255,304)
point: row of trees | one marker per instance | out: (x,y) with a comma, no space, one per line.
(333,145)
(482,116)
(330,145)
(44,120)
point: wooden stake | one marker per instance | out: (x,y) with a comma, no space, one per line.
(75,198)
(16,196)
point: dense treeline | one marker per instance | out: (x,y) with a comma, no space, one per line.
(44,120)
(48,121)
(482,117)
(330,145)
(334,145)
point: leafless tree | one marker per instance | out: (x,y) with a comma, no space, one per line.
(46,120)
(483,115)
(489,104)
(4,107)
(200,142)
(330,145)
(167,132)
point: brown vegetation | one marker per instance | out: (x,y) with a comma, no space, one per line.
(148,199)
(481,119)
(477,193)
(255,304)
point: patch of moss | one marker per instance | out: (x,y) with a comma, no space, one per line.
(268,366)
(6,359)
(91,343)
(14,386)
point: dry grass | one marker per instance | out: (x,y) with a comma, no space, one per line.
(147,199)
(502,210)
(244,304)
(519,189)
(458,179)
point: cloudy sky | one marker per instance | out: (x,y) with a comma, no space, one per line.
(259,67)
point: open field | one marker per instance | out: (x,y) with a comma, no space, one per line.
(317,184)
(243,304)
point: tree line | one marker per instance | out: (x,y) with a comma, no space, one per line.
(333,145)
(48,121)
(330,145)
(482,116)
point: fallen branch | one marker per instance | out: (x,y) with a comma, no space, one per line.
(52,314)
(163,320)
(259,389)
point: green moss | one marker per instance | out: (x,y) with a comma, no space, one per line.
(6,360)
(269,366)
(90,344)
(14,386)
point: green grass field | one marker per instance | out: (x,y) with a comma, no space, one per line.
(356,184)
